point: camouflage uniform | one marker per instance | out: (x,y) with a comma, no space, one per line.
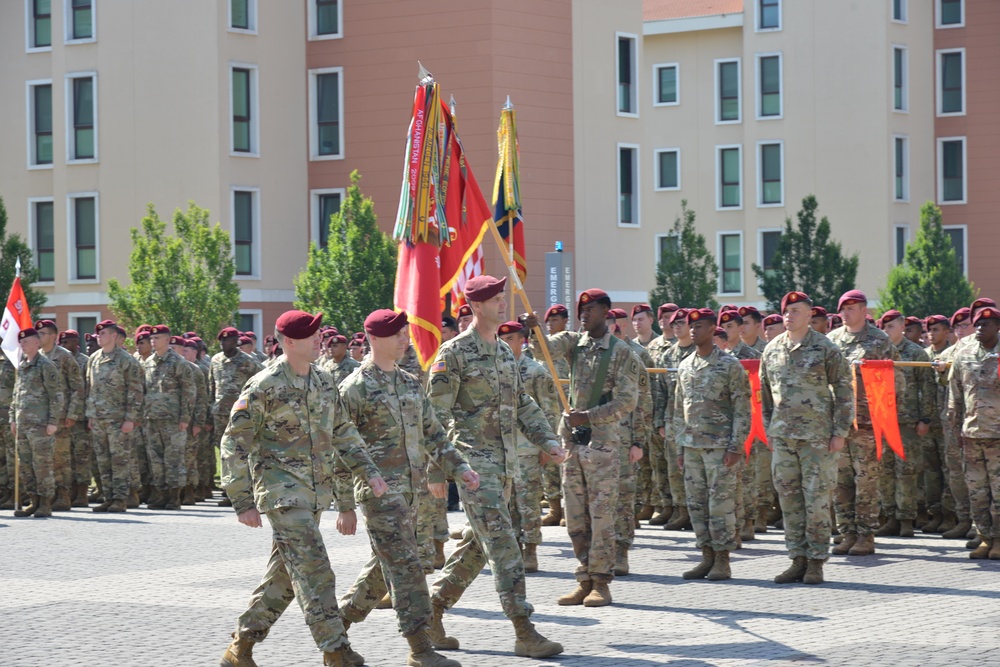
(170,395)
(401,434)
(73,394)
(856,495)
(759,345)
(974,406)
(341,370)
(278,455)
(937,493)
(591,472)
(672,358)
(653,483)
(80,441)
(552,471)
(806,400)
(7,378)
(115,398)
(201,417)
(225,382)
(760,461)
(477,392)
(38,402)
(746,480)
(898,483)
(139,467)
(636,430)
(954,462)
(711,418)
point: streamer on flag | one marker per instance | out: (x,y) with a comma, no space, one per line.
(472,268)
(16,317)
(880,386)
(757,431)
(507,189)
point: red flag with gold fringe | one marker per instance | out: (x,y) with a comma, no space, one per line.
(880,387)
(757,430)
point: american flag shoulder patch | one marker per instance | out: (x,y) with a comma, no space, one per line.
(439,367)
(240,405)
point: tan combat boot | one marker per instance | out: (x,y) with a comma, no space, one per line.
(62,502)
(814,572)
(680,520)
(948,522)
(422,652)
(795,573)
(116,506)
(173,500)
(760,524)
(439,558)
(435,631)
(385,602)
(456,533)
(187,496)
(661,517)
(582,590)
(157,500)
(103,507)
(889,529)
(338,657)
(239,653)
(979,553)
(599,596)
(44,507)
(530,558)
(644,513)
(995,550)
(865,546)
(720,568)
(845,545)
(555,514)
(704,567)
(748,533)
(80,495)
(958,531)
(621,560)
(529,643)
(906,528)
(133,499)
(933,524)
(30,509)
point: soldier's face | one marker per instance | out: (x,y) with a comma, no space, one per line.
(229,345)
(796,318)
(555,324)
(513,340)
(107,338)
(894,329)
(680,328)
(493,310)
(463,322)
(854,315)
(143,347)
(963,329)
(160,342)
(939,334)
(338,351)
(987,330)
(30,345)
(702,332)
(593,315)
(642,322)
(914,332)
(732,329)
(47,337)
(305,349)
(820,324)
(665,324)
(72,344)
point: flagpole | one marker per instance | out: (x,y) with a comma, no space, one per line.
(17,458)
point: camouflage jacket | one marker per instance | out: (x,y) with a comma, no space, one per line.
(202,408)
(73,391)
(116,386)
(38,392)
(171,392)
(411,364)
(869,343)
(712,402)
(917,400)
(8,374)
(82,360)
(258,356)
(805,389)
(477,392)
(284,435)
(343,369)
(540,386)
(743,351)
(227,378)
(637,426)
(974,391)
(401,433)
(663,410)
(941,384)
(759,345)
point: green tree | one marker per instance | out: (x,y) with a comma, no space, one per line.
(183,280)
(686,273)
(808,261)
(929,281)
(12,248)
(355,274)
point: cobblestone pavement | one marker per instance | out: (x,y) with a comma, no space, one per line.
(164,588)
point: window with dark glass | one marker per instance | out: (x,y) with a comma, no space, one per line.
(898,79)
(41,23)
(667,170)
(957,236)
(953,170)
(247,322)
(42,111)
(951,12)
(898,10)
(84,324)
(329,204)
(328,113)
(85,237)
(951,82)
(45,241)
(626,74)
(241,110)
(626,185)
(731,264)
(770,86)
(770,173)
(901,233)
(899,151)
(82,19)
(769,248)
(239,12)
(729,91)
(243,231)
(729,178)
(83,118)
(770,14)
(666,84)
(327,18)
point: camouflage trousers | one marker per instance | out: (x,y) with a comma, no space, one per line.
(675,477)
(711,496)
(299,568)
(526,508)
(552,480)
(113,453)
(934,473)
(643,481)
(746,486)
(191,457)
(6,455)
(81,450)
(431,524)
(206,457)
(659,488)
(62,458)
(625,511)
(766,493)
(804,472)
(165,447)
(590,482)
(35,448)
(982,477)
(898,482)
(856,495)
(488,538)
(139,459)
(955,465)
(391,522)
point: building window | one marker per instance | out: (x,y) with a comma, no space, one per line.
(731,253)
(727,79)
(326,17)
(957,234)
(80,21)
(628,185)
(83,230)
(951,82)
(668,169)
(325,203)
(626,61)
(901,171)
(900,74)
(902,238)
(769,80)
(951,170)
(666,80)
(728,168)
(771,187)
(899,10)
(244,219)
(39,24)
(249,320)
(951,14)
(326,135)
(82,116)
(44,239)
(768,14)
(769,240)
(243,15)
(242,116)
(40,131)
(83,324)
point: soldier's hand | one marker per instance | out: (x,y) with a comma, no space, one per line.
(438,489)
(347,522)
(182,427)
(558,454)
(378,486)
(923,429)
(250,517)
(90,424)
(634,454)
(663,431)
(195,431)
(577,418)
(680,463)
(837,443)
(128,427)
(544,459)
(70,422)
(471,479)
(730,459)
(51,429)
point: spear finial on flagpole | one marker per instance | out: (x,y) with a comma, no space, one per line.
(507,104)
(17,268)
(423,75)
(452,105)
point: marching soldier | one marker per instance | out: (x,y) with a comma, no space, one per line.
(820,321)
(188,350)
(774,326)
(340,364)
(636,431)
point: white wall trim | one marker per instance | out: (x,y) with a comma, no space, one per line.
(75,315)
(68,114)
(718,178)
(68,23)
(760,172)
(258,323)
(314,209)
(255,253)
(254,84)
(251,19)
(693,24)
(904,13)
(906,79)
(90,299)
(634,52)
(636,186)
(628,296)
(656,84)
(940,171)
(937,17)
(717,93)
(71,266)
(32,233)
(656,168)
(29,101)
(313,24)
(939,82)
(314,155)
(29,30)
(758,81)
(906,169)
(756,17)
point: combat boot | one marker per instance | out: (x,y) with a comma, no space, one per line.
(995,550)
(239,653)
(644,513)
(530,644)
(680,520)
(760,525)
(116,506)
(8,502)
(704,567)
(97,496)
(157,500)
(720,568)
(103,507)
(933,524)
(44,507)
(865,546)
(439,558)
(845,545)
(173,499)
(338,657)
(599,596)
(530,558)
(62,500)
(906,528)
(980,552)
(948,522)
(436,633)
(385,602)
(747,533)
(621,560)
(144,492)
(187,497)
(583,589)
(28,510)
(422,652)
(958,531)
(133,499)
(795,573)
(661,517)
(80,495)
(456,533)
(888,529)
(973,543)
(814,572)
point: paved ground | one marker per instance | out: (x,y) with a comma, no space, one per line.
(163,588)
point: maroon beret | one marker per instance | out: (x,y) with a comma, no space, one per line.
(696,314)
(250,334)
(641,308)
(795,297)
(936,319)
(836,319)
(329,333)
(43,324)
(483,288)
(912,321)
(679,315)
(465,310)
(356,342)
(297,324)
(338,339)
(961,315)
(384,323)
(228,332)
(104,324)
(982,302)
(141,336)
(144,327)
(509,328)
(720,332)
(159,329)
(889,316)
(726,316)
(88,337)
(748,310)
(120,329)
(666,308)
(851,297)
(729,307)
(245,340)
(819,311)
(190,334)
(192,343)
(591,295)
(359,335)
(773,319)
(25,333)
(177,340)
(69,333)
(555,310)
(986,313)
(619,313)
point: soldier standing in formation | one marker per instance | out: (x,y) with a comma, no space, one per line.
(653,483)
(81,449)
(7,457)
(680,518)
(556,318)
(938,493)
